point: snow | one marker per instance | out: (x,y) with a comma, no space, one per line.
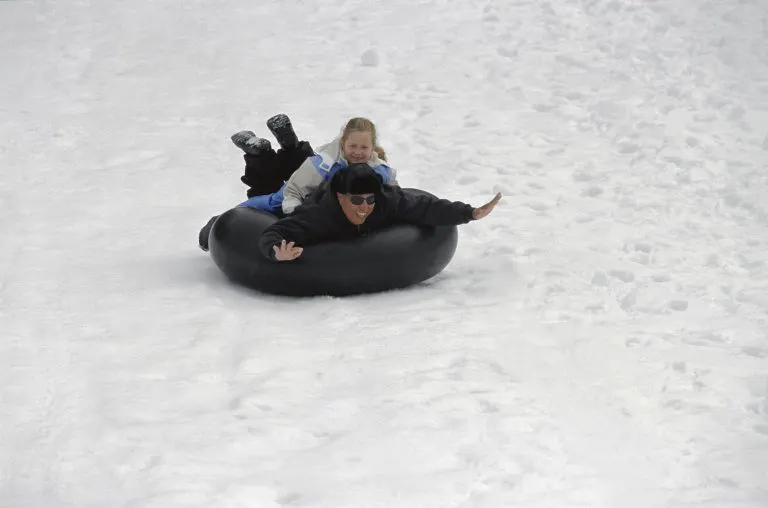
(600,340)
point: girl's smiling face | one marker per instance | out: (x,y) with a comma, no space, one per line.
(358,147)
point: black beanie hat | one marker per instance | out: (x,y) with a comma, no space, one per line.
(356,179)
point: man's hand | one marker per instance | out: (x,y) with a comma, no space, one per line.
(482,211)
(286,251)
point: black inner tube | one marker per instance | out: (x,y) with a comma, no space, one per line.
(395,257)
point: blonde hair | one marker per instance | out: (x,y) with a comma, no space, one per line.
(360,124)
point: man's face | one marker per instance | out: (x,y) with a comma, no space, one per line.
(356,207)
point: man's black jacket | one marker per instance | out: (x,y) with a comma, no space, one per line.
(322,219)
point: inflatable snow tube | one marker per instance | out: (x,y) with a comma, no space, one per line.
(395,257)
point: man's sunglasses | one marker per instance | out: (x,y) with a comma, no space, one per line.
(357,199)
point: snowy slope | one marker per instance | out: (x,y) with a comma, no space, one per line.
(601,340)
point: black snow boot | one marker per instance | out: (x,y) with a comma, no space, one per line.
(202,238)
(280,126)
(248,142)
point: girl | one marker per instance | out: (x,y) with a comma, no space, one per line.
(356,144)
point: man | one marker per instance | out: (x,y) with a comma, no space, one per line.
(356,204)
